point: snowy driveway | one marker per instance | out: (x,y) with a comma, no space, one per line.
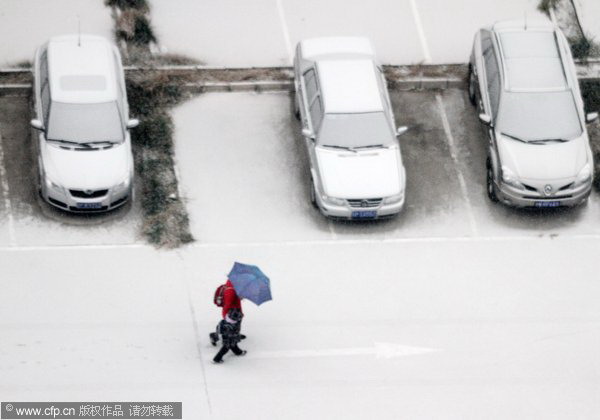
(265,32)
(415,329)
(26,24)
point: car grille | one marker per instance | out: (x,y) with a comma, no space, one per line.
(365,202)
(88,194)
(550,198)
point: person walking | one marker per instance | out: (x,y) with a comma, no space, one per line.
(229,330)
(227,298)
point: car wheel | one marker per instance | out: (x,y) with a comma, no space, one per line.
(491,189)
(313,195)
(296,107)
(471,87)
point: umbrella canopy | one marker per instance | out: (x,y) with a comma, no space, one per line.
(250,283)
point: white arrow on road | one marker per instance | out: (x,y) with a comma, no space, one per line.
(379,350)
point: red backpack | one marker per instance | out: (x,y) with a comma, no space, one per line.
(219,298)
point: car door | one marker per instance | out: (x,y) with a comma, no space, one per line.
(493,88)
(311,114)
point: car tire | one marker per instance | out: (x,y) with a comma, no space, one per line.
(313,195)
(471,88)
(490,188)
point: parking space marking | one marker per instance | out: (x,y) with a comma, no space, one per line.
(421,32)
(197,336)
(454,154)
(322,242)
(286,31)
(6,198)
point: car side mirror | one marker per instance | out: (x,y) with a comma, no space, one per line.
(132,123)
(401,130)
(37,124)
(485,119)
(306,132)
(591,117)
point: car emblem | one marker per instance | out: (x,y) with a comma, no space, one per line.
(88,192)
(548,189)
(364,203)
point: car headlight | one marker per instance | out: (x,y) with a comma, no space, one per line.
(51,185)
(393,198)
(333,200)
(123,185)
(584,176)
(509,178)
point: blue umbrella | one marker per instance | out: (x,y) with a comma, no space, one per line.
(250,283)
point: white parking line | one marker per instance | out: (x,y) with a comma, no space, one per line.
(286,31)
(454,154)
(321,242)
(6,198)
(421,32)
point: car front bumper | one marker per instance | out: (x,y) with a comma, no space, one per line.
(347,212)
(64,200)
(523,198)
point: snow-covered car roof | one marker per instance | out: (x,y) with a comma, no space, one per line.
(532,57)
(349,86)
(82,69)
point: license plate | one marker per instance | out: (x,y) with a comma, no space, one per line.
(89,205)
(547,203)
(364,214)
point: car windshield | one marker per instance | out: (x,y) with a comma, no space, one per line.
(539,116)
(356,130)
(85,123)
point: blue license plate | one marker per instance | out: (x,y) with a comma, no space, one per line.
(89,205)
(364,214)
(547,203)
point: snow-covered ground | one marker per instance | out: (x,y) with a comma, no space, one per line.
(26,24)
(419,329)
(265,32)
(589,14)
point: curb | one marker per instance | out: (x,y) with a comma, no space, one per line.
(15,89)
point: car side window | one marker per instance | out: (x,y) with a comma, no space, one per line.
(316,113)
(44,86)
(310,81)
(492,74)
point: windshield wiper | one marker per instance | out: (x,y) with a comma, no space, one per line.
(548,141)
(90,143)
(371,146)
(514,138)
(333,146)
(73,143)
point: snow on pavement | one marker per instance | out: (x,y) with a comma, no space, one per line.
(29,23)
(265,32)
(514,325)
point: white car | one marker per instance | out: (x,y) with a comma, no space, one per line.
(85,159)
(349,130)
(523,81)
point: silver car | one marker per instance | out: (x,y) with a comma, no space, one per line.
(85,160)
(523,81)
(348,128)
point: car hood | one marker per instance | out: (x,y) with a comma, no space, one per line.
(544,161)
(93,169)
(364,174)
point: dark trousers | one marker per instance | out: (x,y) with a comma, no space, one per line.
(235,349)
